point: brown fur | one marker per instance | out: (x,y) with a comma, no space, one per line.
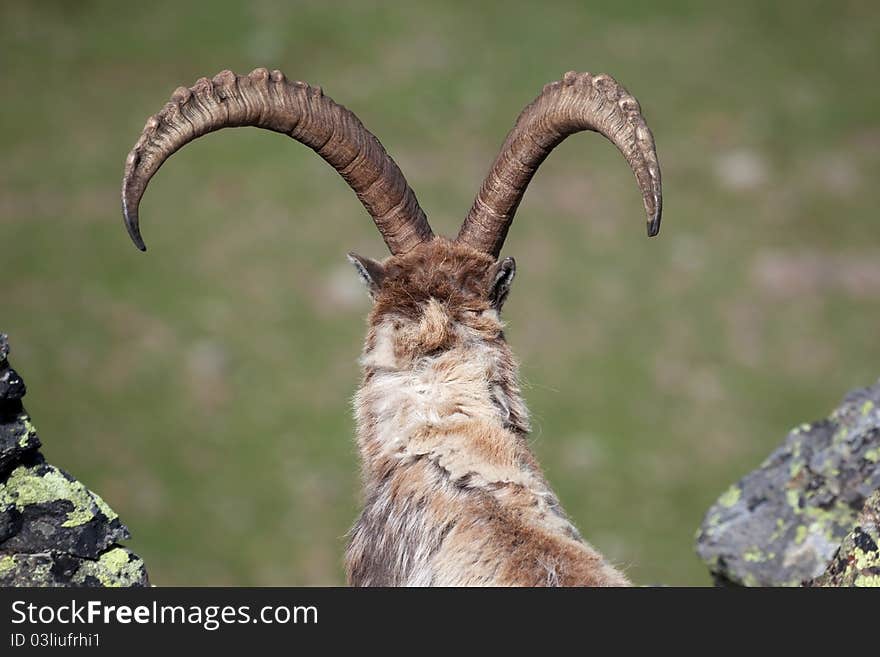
(453,494)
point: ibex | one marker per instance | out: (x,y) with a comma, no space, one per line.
(452,492)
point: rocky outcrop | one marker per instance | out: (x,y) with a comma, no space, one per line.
(783,523)
(53,530)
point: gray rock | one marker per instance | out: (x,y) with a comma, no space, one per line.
(781,524)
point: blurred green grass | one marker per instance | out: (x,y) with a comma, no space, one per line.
(204,389)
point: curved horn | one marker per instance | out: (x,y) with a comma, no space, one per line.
(580,101)
(296,109)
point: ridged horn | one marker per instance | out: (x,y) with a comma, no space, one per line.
(270,101)
(580,101)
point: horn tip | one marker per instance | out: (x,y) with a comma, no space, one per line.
(135,236)
(654,225)
(131,225)
(654,206)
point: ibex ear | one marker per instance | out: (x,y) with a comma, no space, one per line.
(371,272)
(501,280)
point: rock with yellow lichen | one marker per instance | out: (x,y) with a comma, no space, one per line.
(857,561)
(781,524)
(53,530)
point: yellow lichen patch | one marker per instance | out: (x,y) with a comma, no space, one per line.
(730,496)
(29,430)
(865,560)
(114,559)
(779,531)
(25,486)
(867,581)
(7,563)
(115,568)
(754,555)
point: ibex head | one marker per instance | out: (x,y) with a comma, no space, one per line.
(462,275)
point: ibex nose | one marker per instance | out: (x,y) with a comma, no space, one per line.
(434,329)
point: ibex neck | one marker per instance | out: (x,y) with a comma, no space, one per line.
(473,385)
